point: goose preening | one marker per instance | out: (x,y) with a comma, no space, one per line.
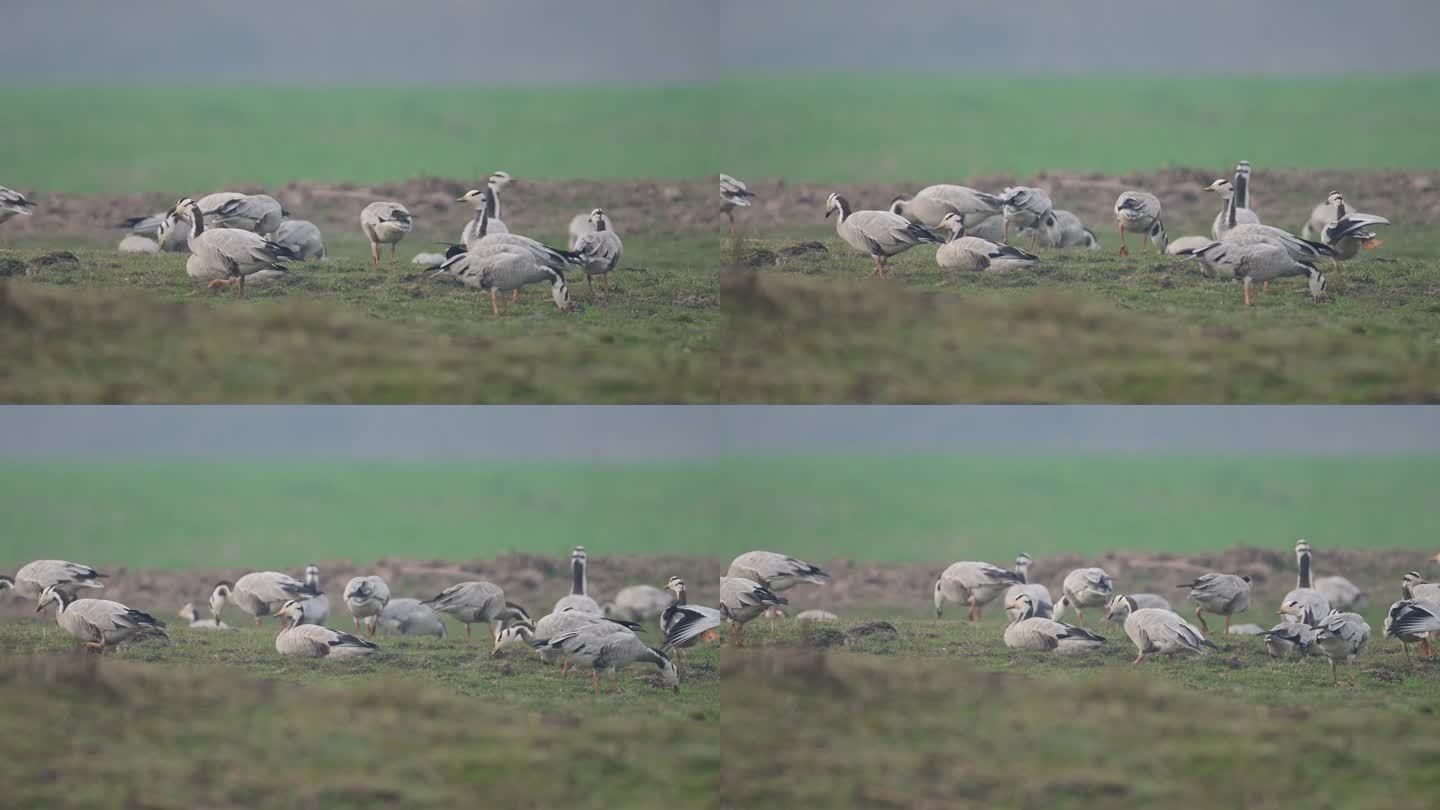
(604,649)
(637,603)
(580,225)
(1068,232)
(411,617)
(1260,261)
(1232,213)
(257,213)
(1323,214)
(315,641)
(505,262)
(1347,235)
(1313,606)
(366,598)
(963,252)
(1222,594)
(258,593)
(1140,211)
(974,584)
(1041,603)
(1032,632)
(1162,632)
(1411,621)
(1342,635)
(1026,207)
(302,238)
(930,204)
(155,233)
(317,607)
(742,600)
(1290,640)
(579,596)
(599,251)
(35,577)
(685,624)
(14,204)
(880,234)
(99,623)
(733,194)
(1116,611)
(385,223)
(226,256)
(474,602)
(1082,588)
(195,622)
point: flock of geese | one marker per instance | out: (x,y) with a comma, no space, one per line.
(1315,617)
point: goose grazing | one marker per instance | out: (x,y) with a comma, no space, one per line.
(1082,588)
(637,603)
(385,223)
(256,213)
(1032,632)
(317,608)
(973,253)
(366,598)
(314,641)
(742,600)
(881,234)
(599,251)
(930,204)
(537,634)
(486,205)
(1026,207)
(99,623)
(226,256)
(1314,606)
(1068,232)
(472,602)
(1140,211)
(14,204)
(1342,635)
(192,618)
(505,262)
(1040,602)
(734,195)
(974,584)
(1290,640)
(607,650)
(1223,594)
(580,225)
(1233,212)
(579,597)
(1412,621)
(1347,235)
(1161,632)
(1116,611)
(1323,214)
(1260,261)
(685,624)
(258,593)
(35,577)
(411,617)
(301,237)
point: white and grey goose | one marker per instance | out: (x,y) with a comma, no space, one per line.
(579,596)
(963,252)
(99,623)
(1347,235)
(1027,207)
(538,634)
(14,204)
(1323,214)
(1342,635)
(733,194)
(477,601)
(1033,632)
(317,607)
(1412,621)
(385,223)
(1414,586)
(605,649)
(34,577)
(930,205)
(1232,212)
(580,225)
(366,597)
(192,617)
(1082,588)
(258,593)
(742,600)
(487,205)
(302,237)
(226,256)
(315,641)
(1314,606)
(973,584)
(1290,639)
(411,617)
(1117,610)
(1040,602)
(880,234)
(1160,632)
(154,233)
(638,603)
(1068,232)
(685,624)
(1258,260)
(1225,594)
(1140,211)
(778,572)
(505,262)
(258,213)
(599,251)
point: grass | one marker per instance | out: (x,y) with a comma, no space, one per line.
(899,508)
(220,720)
(830,128)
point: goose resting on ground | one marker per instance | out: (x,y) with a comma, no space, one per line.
(99,623)
(192,617)
(1225,594)
(1068,232)
(1031,632)
(1161,632)
(314,641)
(880,234)
(973,253)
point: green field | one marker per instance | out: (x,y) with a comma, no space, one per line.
(902,508)
(832,128)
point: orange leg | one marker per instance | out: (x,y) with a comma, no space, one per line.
(1200,617)
(494,307)
(515,296)
(1124,251)
(1005,231)
(1138,659)
(595,673)
(375,254)
(257,621)
(467,632)
(1247,303)
(564,668)
(1227,624)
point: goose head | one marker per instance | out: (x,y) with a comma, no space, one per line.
(7,583)
(499,180)
(480,197)
(1335,198)
(1023,604)
(53,594)
(1292,607)
(512,635)
(675,584)
(182,208)
(294,610)
(1223,187)
(955,223)
(1120,607)
(836,204)
(597,218)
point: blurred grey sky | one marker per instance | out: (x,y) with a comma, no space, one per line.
(647,432)
(552,41)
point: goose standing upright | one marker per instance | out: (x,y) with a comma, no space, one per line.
(385,223)
(974,584)
(1141,212)
(489,206)
(99,623)
(227,256)
(1412,621)
(1231,215)
(1414,586)
(1033,632)
(880,234)
(734,195)
(35,577)
(366,598)
(602,648)
(963,252)
(1084,587)
(579,596)
(1161,632)
(476,601)
(683,623)
(1225,594)
(1314,606)
(1040,602)
(599,251)
(742,600)
(930,205)
(1341,635)
(258,593)
(505,262)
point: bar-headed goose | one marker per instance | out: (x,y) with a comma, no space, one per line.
(1032,632)
(1041,603)
(1187,245)
(1414,586)
(1161,632)
(1082,588)
(411,617)
(733,194)
(1351,232)
(930,204)
(778,572)
(579,596)
(685,624)
(742,600)
(366,598)
(1232,213)
(317,608)
(1221,594)
(14,204)
(603,649)
(537,634)
(638,603)
(580,225)
(599,251)
(162,229)
(1140,211)
(385,223)
(487,205)
(1313,604)
(301,237)
(1411,621)
(32,578)
(99,623)
(226,256)
(505,262)
(1026,207)
(1290,640)
(259,593)
(315,641)
(880,234)
(474,602)
(257,213)
(1068,232)
(1342,635)
(963,252)
(195,622)
(974,584)
(1117,610)
(1258,261)
(1323,214)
